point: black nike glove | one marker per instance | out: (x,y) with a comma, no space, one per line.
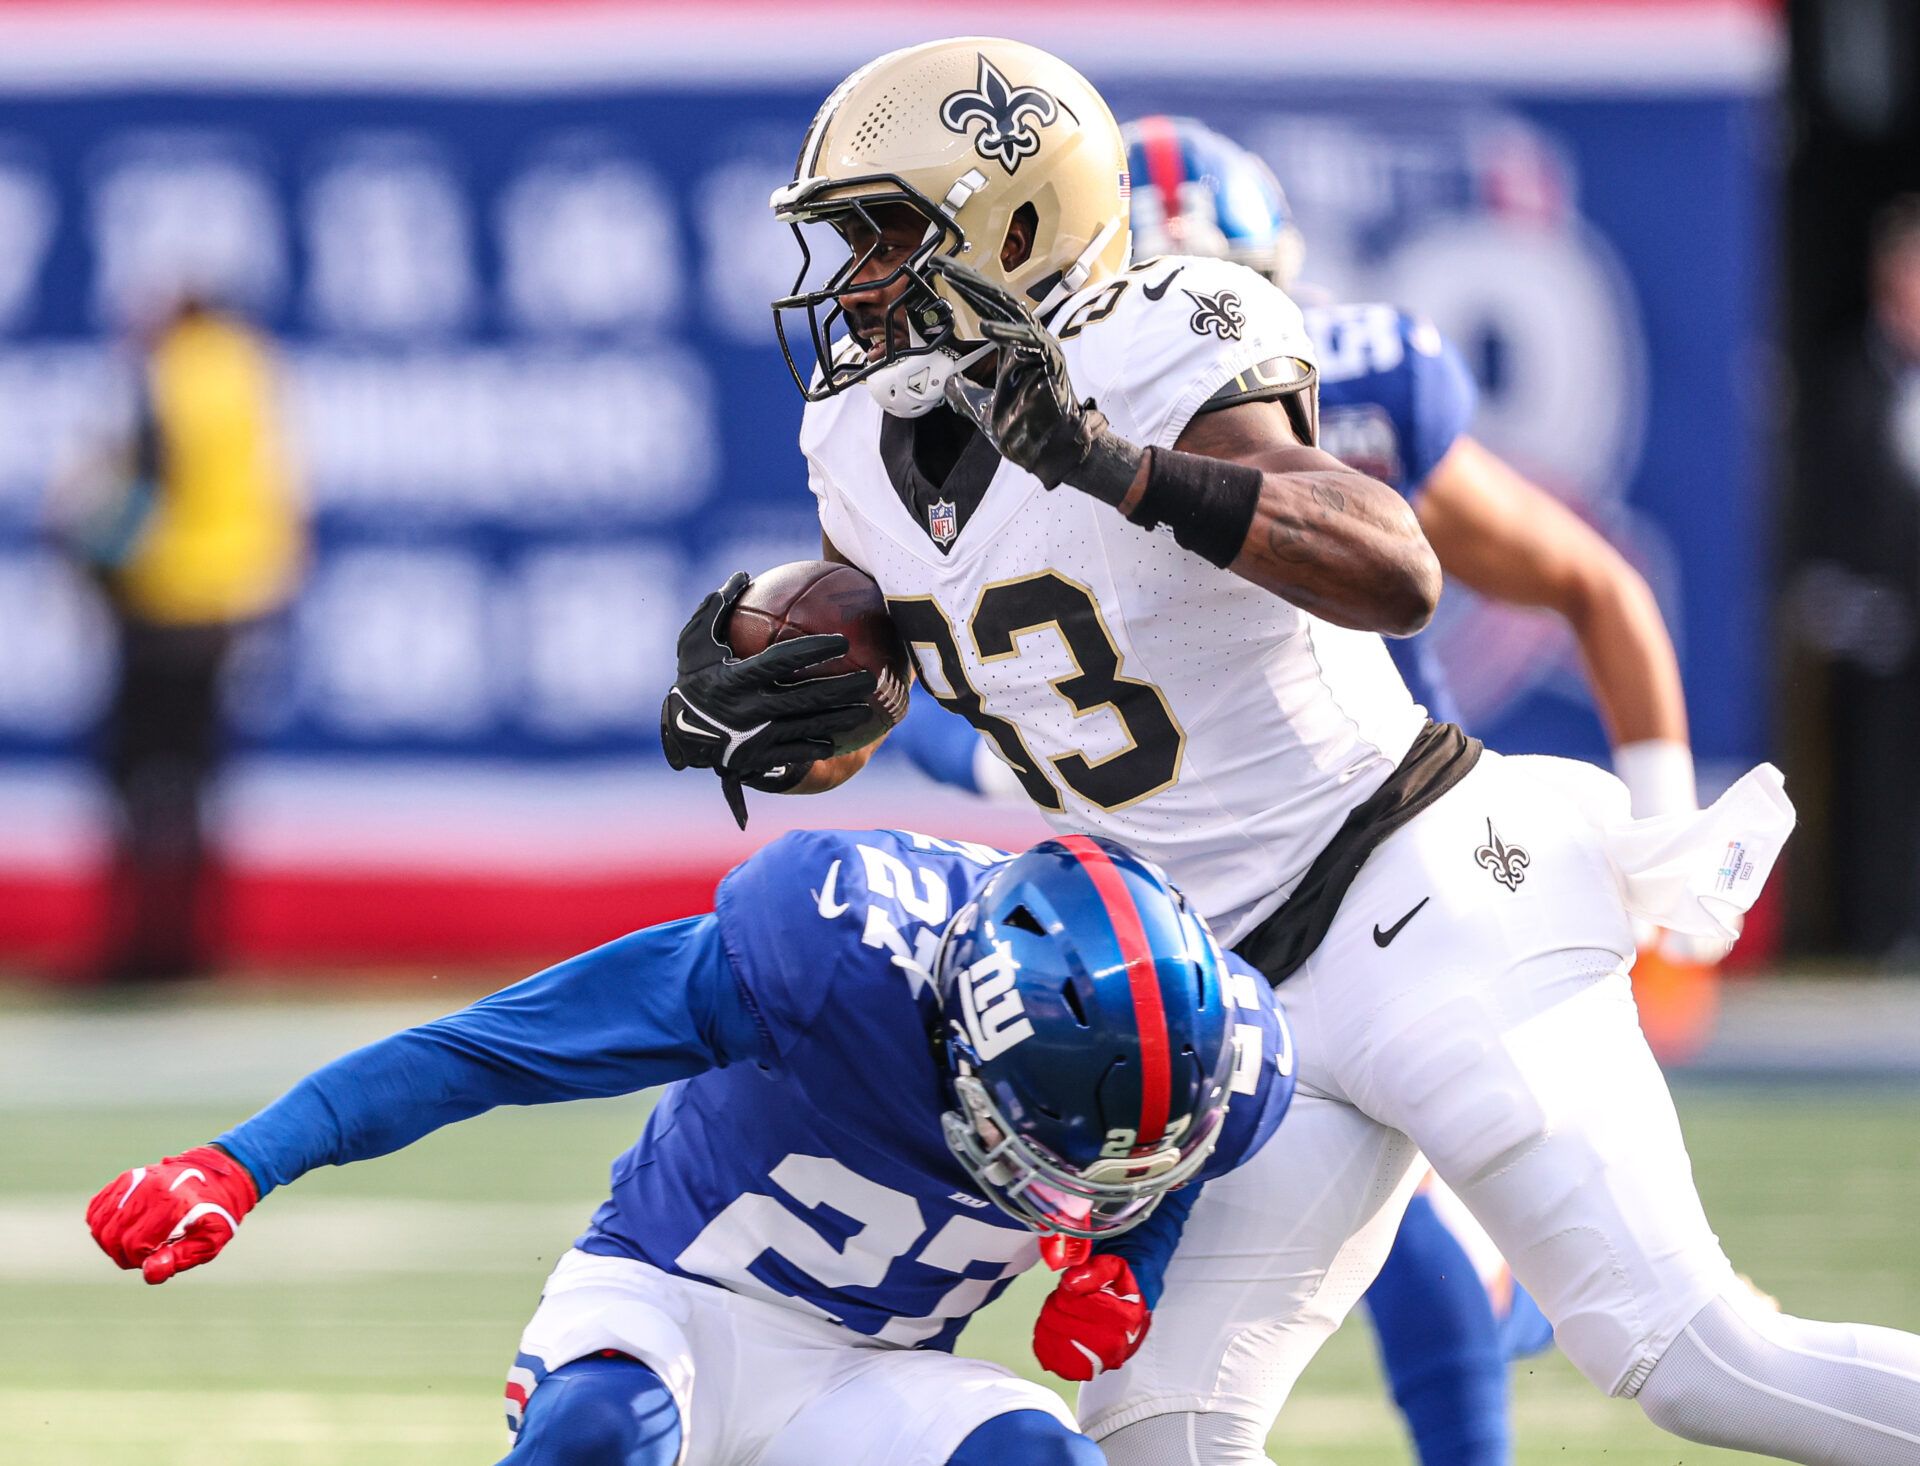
(742,717)
(1030,413)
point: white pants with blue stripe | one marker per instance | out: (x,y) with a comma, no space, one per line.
(758,1382)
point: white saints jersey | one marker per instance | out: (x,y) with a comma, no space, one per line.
(1136,690)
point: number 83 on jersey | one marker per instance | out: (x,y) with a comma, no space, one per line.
(1003,619)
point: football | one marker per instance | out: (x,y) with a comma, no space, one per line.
(809,597)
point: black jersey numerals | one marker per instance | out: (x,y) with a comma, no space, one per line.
(1016,608)
(1050,601)
(923,624)
(1093,310)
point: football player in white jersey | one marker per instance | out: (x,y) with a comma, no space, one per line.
(1159,602)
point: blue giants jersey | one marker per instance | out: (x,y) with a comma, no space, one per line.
(1394,395)
(818,1177)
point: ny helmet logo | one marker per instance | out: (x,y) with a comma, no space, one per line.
(1507,862)
(1009,118)
(991,1011)
(1220,314)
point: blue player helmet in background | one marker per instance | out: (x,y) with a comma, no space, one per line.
(1198,193)
(1088,1036)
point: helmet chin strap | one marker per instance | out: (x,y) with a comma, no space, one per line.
(915,385)
(1075,275)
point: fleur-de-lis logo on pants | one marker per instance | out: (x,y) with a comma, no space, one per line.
(1221,314)
(1507,862)
(1009,118)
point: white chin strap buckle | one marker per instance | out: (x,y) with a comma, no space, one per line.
(915,385)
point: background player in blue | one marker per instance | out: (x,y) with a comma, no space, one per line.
(898,1069)
(1395,401)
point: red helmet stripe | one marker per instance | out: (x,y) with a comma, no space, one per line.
(1143,982)
(1165,166)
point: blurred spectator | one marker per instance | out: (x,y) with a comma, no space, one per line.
(1855,600)
(193,533)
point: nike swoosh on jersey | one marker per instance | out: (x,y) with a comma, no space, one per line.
(1154,292)
(823,898)
(1381,938)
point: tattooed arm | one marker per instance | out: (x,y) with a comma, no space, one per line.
(1330,540)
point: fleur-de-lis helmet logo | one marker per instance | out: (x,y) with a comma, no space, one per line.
(1507,862)
(1008,118)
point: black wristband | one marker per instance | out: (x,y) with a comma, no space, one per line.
(1207,502)
(1109,468)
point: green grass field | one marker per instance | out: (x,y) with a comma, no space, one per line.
(367,1315)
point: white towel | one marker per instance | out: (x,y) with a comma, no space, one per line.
(1696,872)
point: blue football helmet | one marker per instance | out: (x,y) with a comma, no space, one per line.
(1087,1036)
(1198,193)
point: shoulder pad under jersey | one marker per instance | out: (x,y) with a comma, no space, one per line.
(833,917)
(1152,345)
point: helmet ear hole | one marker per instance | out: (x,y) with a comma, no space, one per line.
(1022,919)
(1070,995)
(1022,229)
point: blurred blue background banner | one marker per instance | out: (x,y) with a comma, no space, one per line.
(538,408)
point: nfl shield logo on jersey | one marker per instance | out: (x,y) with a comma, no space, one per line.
(943,522)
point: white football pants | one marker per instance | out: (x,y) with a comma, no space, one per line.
(1495,1031)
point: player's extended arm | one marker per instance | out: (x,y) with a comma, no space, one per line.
(1511,541)
(1323,536)
(650,1008)
(1239,489)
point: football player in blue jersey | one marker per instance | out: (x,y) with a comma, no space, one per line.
(1396,400)
(900,1070)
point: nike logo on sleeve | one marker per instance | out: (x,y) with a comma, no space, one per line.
(1154,292)
(825,897)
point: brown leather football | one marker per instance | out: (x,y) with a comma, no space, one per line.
(808,597)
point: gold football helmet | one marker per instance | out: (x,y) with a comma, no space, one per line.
(974,136)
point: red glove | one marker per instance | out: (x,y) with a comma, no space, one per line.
(1093,1320)
(174,1215)
(1061,1252)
